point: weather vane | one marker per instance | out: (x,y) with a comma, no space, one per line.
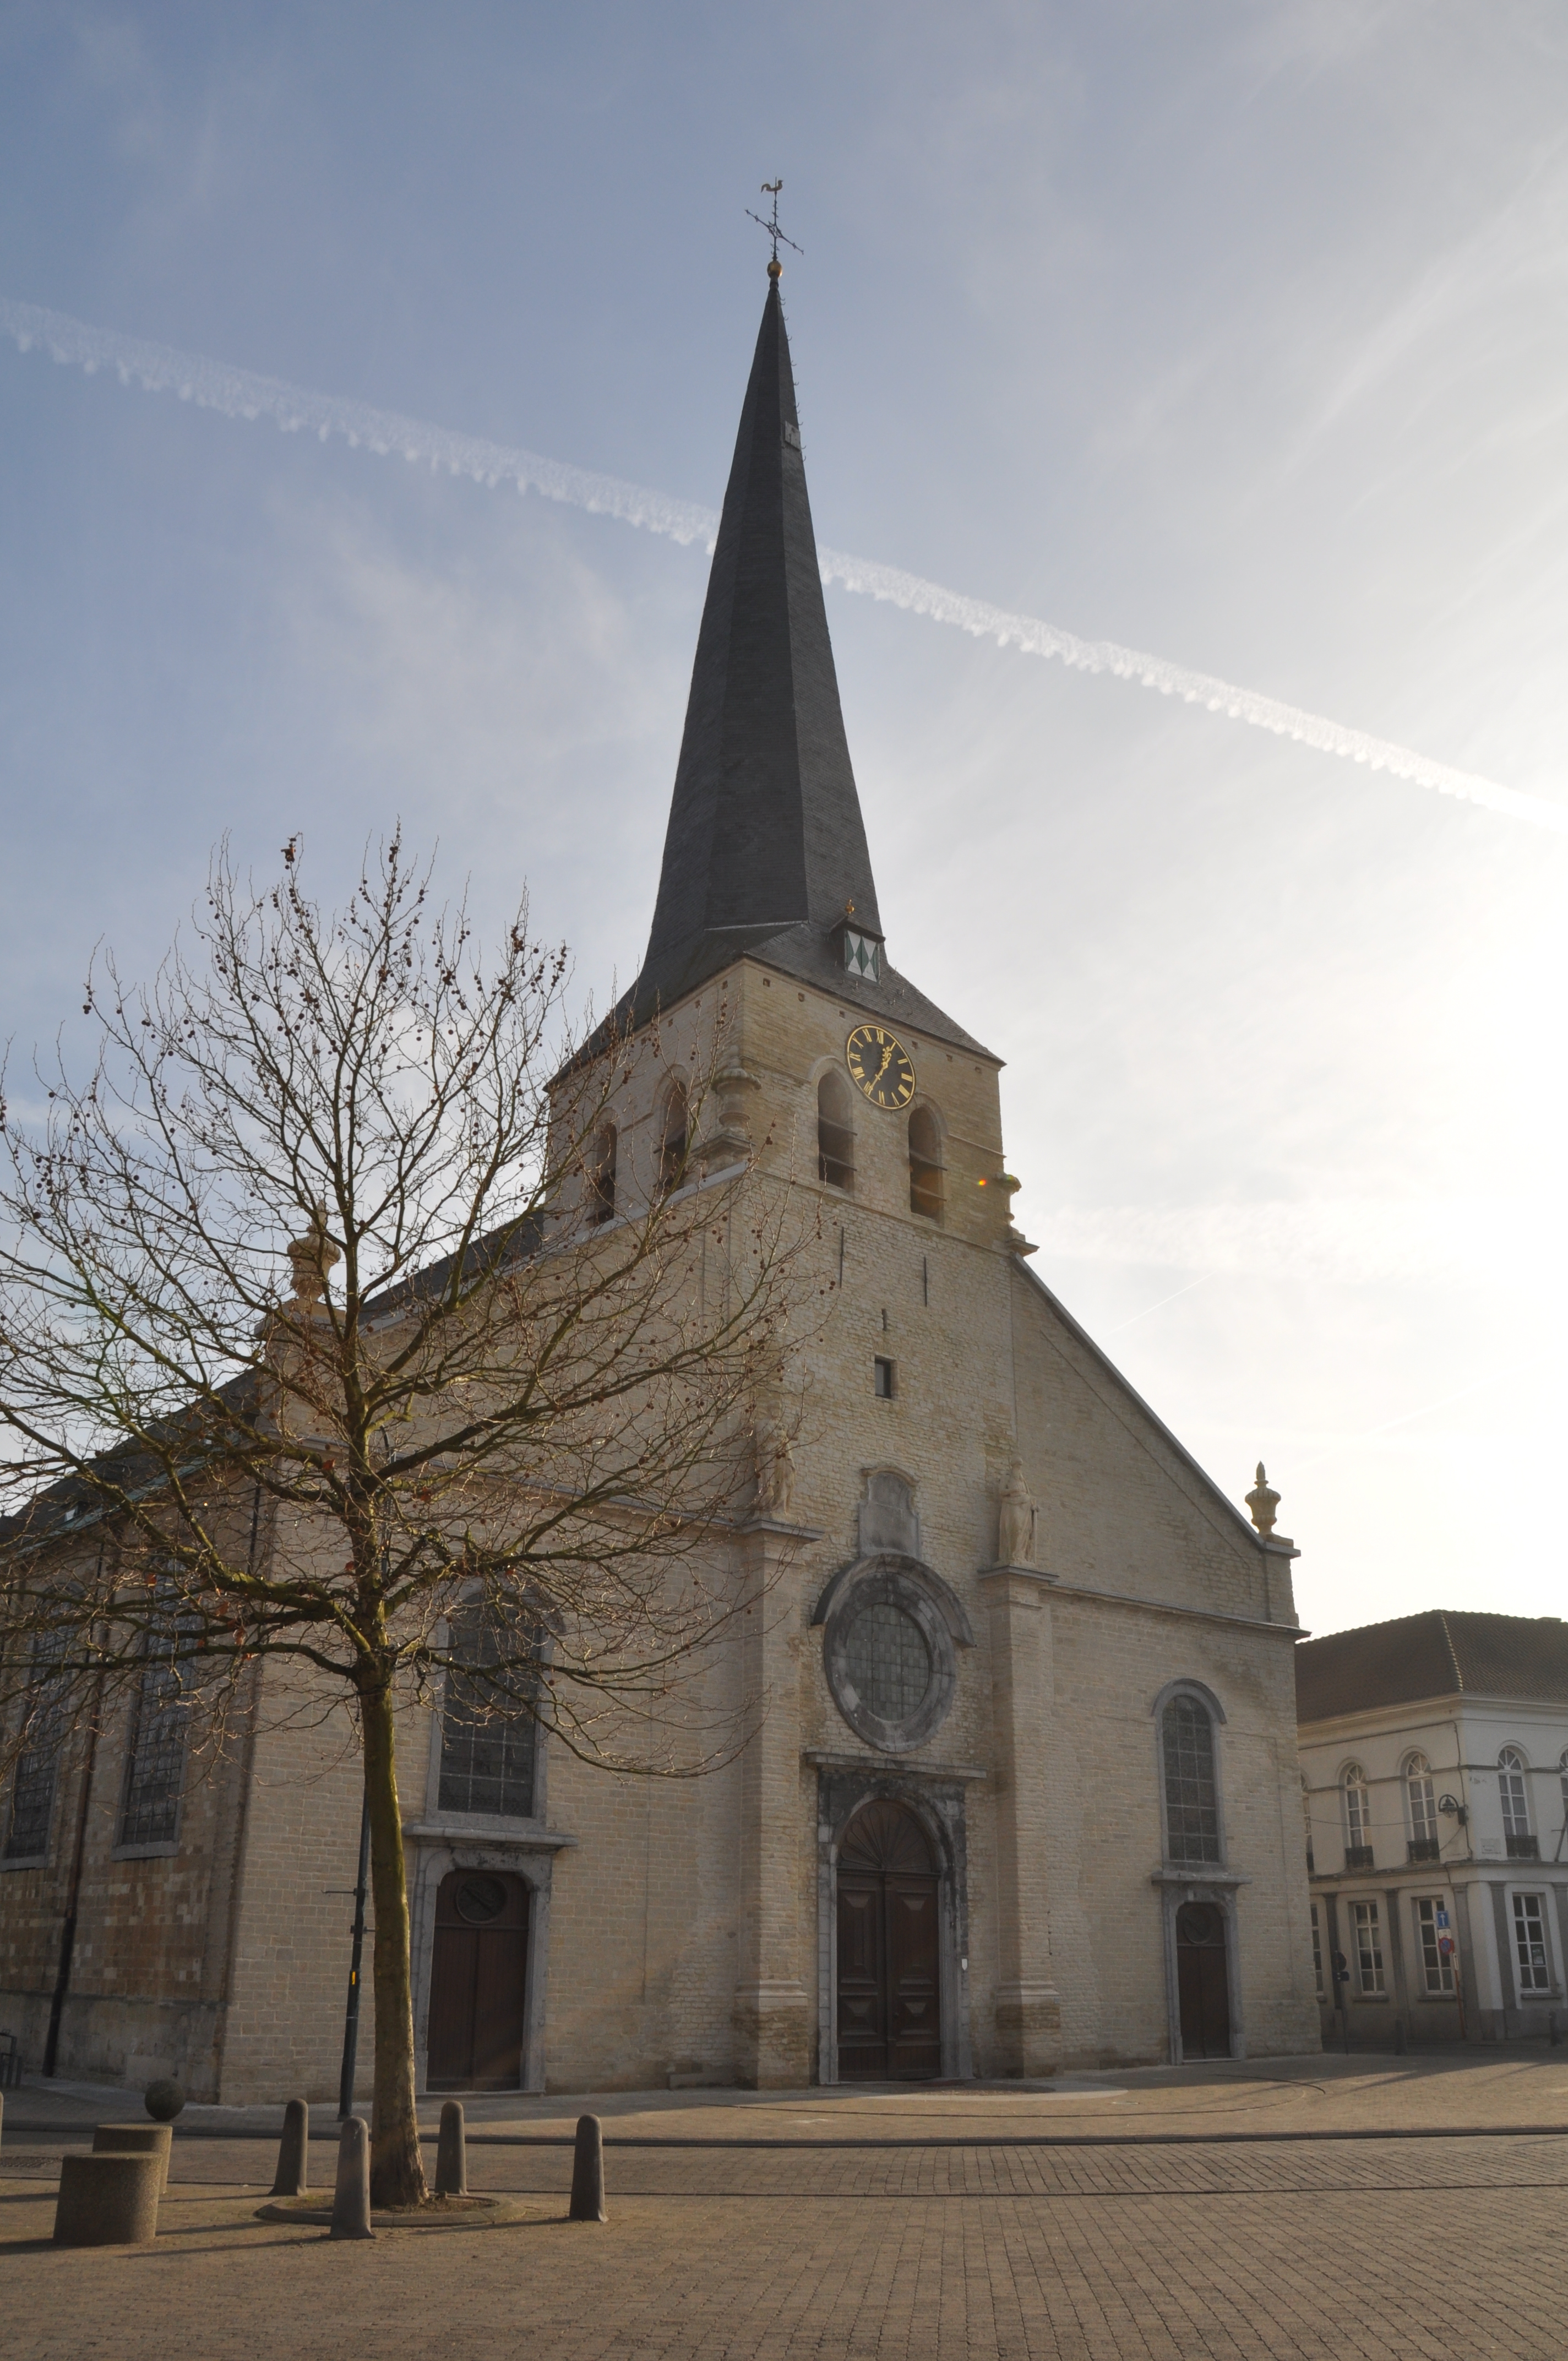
(771,188)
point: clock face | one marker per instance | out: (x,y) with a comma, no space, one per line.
(881,1064)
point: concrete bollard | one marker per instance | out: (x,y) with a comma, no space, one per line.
(588,2173)
(292,2177)
(451,2154)
(351,2198)
(136,2139)
(107,2199)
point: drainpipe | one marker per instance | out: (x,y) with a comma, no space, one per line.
(74,1891)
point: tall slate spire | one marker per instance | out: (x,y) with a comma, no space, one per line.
(765,849)
(765,827)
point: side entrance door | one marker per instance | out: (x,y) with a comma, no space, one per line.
(478,1979)
(1202,1982)
(888,1961)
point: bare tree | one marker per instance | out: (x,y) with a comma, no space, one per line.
(514,1389)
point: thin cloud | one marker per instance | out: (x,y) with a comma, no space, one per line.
(244,394)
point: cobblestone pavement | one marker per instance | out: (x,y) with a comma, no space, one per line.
(966,2228)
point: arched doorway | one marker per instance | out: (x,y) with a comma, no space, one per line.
(477,1977)
(888,1984)
(1203,1982)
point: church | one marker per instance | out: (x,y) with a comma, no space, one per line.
(1025,1796)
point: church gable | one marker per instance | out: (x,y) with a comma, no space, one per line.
(1122,1508)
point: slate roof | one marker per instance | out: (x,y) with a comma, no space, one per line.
(765,845)
(1443,1653)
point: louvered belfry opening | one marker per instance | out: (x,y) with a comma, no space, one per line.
(889,1988)
(835,1132)
(925,1165)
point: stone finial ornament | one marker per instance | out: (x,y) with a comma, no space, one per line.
(775,1468)
(312,1257)
(1263,1501)
(1017,1520)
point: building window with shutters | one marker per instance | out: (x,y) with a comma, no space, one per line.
(1530,1958)
(1366,1934)
(1521,1845)
(1422,1804)
(1192,1791)
(1437,1964)
(1357,1817)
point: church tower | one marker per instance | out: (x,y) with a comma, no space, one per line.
(1024,1792)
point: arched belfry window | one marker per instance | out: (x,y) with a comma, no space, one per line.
(600,1175)
(925,1164)
(835,1132)
(1191,1788)
(674,1126)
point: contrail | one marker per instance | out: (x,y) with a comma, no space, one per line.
(241,393)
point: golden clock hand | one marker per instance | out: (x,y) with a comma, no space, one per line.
(886,1061)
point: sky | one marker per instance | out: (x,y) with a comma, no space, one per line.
(1231,331)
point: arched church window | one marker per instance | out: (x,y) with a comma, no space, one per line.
(925,1164)
(835,1132)
(487,1727)
(673,1130)
(601,1171)
(155,1765)
(1191,1790)
(1422,1805)
(891,1629)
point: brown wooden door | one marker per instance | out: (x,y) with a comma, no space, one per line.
(889,1990)
(1201,1981)
(477,1982)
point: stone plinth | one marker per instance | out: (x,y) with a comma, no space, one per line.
(108,2200)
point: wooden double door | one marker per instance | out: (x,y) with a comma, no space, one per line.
(1203,1980)
(888,1950)
(478,1975)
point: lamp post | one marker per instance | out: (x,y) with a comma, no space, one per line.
(351,2012)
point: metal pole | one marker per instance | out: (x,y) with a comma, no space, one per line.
(351,2012)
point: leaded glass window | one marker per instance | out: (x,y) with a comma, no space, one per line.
(888,1661)
(1192,1797)
(1422,1801)
(1358,1814)
(487,1727)
(155,1768)
(32,1788)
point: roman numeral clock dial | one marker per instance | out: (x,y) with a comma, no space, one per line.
(881,1066)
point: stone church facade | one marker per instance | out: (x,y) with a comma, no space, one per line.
(1024,1795)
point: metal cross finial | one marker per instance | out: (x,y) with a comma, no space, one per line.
(771,188)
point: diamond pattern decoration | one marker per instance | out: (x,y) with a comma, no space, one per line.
(862,956)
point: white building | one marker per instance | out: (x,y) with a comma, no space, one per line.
(1434,1768)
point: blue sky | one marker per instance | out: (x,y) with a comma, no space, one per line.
(1235,332)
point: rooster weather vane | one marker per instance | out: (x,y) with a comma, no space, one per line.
(771,188)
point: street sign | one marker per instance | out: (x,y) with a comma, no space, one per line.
(1440,1916)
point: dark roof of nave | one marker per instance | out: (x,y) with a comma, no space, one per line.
(1443,1653)
(765,848)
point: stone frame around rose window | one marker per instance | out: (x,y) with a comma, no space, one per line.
(890,1580)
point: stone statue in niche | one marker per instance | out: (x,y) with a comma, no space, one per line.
(775,1468)
(1017,1520)
(887,1518)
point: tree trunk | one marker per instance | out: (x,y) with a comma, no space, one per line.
(397,2174)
